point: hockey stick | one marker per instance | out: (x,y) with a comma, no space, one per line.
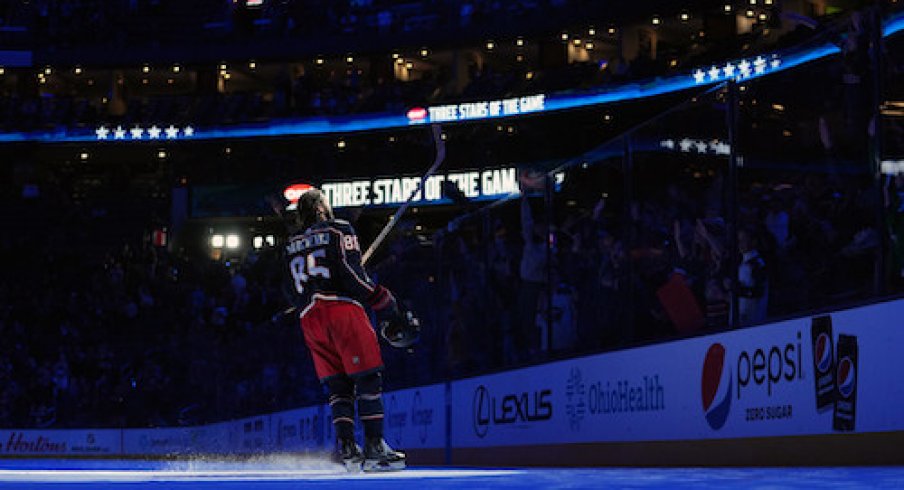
(440,157)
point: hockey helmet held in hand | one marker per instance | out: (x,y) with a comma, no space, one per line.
(401,331)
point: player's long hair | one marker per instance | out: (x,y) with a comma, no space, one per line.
(313,208)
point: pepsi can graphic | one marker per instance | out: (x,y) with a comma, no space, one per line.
(846,376)
(823,362)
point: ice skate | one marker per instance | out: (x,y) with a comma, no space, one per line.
(378,456)
(350,456)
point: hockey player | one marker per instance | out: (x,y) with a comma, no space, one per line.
(331,286)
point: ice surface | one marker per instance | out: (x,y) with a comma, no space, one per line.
(294,471)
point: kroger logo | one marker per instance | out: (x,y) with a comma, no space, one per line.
(716,387)
(823,353)
(395,420)
(421,416)
(847,378)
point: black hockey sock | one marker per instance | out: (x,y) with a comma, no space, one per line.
(342,406)
(370,404)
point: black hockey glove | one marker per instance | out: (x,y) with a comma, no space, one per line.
(401,330)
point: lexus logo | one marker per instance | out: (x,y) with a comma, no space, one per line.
(518,408)
(481,411)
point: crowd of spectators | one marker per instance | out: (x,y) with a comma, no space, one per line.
(154,22)
(326,90)
(660,267)
(313,93)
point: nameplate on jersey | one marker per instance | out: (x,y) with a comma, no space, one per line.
(307,241)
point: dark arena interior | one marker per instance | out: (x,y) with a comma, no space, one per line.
(446,243)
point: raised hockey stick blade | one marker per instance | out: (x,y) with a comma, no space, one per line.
(440,156)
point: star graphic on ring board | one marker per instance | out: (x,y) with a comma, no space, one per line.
(699,76)
(759,65)
(744,66)
(728,69)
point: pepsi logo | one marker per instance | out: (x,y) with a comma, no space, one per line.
(847,377)
(417,114)
(823,353)
(715,387)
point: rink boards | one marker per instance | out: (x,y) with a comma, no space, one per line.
(787,392)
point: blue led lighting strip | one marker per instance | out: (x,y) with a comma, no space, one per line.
(742,69)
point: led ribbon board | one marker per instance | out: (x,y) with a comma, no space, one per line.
(892,167)
(477,185)
(470,111)
(739,69)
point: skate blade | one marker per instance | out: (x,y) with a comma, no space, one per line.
(376,466)
(352,466)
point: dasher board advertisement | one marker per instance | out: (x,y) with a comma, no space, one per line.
(816,375)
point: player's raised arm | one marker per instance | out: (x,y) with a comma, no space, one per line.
(399,328)
(350,271)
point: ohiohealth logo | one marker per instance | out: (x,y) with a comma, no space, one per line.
(716,387)
(575,406)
